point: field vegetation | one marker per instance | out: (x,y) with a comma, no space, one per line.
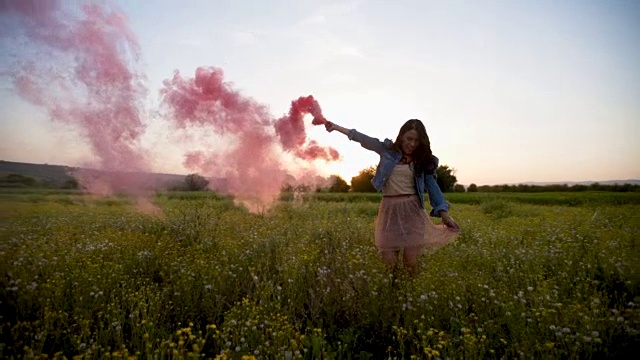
(530,276)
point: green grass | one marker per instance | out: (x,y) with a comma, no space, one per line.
(550,198)
(93,277)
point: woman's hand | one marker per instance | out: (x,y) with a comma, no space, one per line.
(448,221)
(329,126)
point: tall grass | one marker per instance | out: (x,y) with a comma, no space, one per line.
(304,281)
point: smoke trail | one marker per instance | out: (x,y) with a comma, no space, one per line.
(80,67)
(252,169)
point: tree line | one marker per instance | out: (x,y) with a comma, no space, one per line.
(446,179)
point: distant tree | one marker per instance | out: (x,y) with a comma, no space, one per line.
(458,188)
(446,178)
(472,188)
(17,180)
(362,182)
(195,182)
(338,184)
(71,184)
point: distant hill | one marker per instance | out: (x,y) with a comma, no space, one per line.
(58,175)
(52,174)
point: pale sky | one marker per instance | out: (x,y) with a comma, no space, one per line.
(510,91)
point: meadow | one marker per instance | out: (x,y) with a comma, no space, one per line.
(550,275)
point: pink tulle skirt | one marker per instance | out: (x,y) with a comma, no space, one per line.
(402,223)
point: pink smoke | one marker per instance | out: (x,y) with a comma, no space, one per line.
(84,75)
(82,68)
(253,170)
(290,130)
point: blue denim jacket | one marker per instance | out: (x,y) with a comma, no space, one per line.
(389,159)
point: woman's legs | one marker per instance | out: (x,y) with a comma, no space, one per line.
(389,258)
(411,256)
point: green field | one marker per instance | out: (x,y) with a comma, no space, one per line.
(550,275)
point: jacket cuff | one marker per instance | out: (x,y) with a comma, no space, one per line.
(352,134)
(435,212)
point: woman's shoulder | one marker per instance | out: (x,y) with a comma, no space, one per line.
(436,161)
(390,147)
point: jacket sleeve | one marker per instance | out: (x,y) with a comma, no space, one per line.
(368,142)
(436,198)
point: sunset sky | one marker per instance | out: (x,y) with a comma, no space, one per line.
(510,91)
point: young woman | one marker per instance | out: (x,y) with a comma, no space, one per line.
(406,170)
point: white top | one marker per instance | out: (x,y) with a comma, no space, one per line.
(400,182)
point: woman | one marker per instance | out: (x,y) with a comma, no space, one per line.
(407,168)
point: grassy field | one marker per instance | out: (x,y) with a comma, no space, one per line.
(550,275)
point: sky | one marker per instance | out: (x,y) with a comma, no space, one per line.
(509,91)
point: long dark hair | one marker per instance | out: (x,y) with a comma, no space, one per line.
(422,157)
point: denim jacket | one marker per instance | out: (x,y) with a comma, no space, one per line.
(389,159)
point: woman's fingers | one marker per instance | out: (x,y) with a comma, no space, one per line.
(329,126)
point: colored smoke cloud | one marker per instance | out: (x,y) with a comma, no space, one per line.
(81,65)
(253,169)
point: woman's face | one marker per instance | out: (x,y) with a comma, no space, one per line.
(410,142)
